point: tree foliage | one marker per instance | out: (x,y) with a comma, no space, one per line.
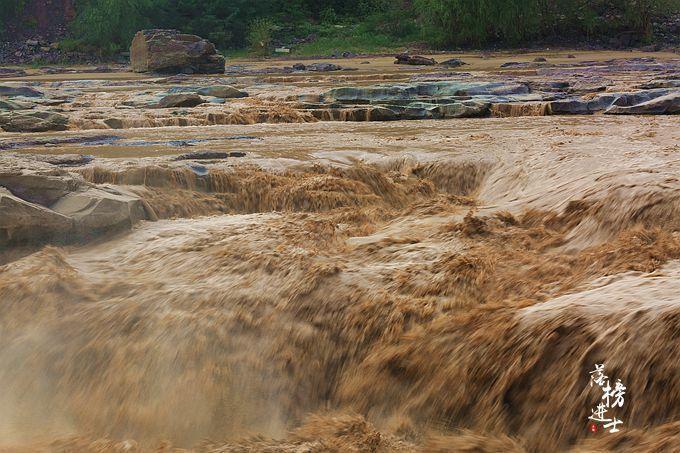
(509,22)
(110,24)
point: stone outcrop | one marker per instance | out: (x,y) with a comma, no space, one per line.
(222,91)
(8,104)
(415,60)
(180,100)
(668,104)
(41,188)
(453,62)
(12,91)
(40,121)
(171,51)
(22,221)
(58,206)
(101,209)
(418,91)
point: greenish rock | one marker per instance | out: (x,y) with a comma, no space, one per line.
(8,104)
(40,121)
(222,91)
(364,95)
(180,100)
(11,91)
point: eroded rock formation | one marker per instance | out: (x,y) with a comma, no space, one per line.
(172,51)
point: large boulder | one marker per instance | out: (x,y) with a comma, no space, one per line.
(43,189)
(40,121)
(101,209)
(172,51)
(22,221)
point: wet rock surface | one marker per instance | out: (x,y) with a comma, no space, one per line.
(222,91)
(284,94)
(180,100)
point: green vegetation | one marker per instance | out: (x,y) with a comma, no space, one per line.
(512,22)
(10,10)
(260,36)
(361,25)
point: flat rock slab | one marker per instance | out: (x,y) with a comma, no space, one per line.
(415,60)
(206,155)
(41,121)
(180,100)
(41,188)
(222,91)
(453,63)
(10,91)
(8,104)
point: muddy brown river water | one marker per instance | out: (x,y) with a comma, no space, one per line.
(440,285)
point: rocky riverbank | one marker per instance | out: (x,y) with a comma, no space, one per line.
(639,85)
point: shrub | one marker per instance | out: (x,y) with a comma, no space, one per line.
(260,36)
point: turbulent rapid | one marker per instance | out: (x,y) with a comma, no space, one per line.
(387,287)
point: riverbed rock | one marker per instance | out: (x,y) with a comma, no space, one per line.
(463,110)
(180,100)
(172,51)
(12,91)
(210,155)
(413,91)
(66,160)
(101,209)
(41,121)
(8,104)
(323,67)
(41,188)
(416,60)
(222,91)
(22,221)
(668,104)
(660,83)
(569,107)
(114,123)
(453,62)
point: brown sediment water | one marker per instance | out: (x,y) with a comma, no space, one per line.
(442,285)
